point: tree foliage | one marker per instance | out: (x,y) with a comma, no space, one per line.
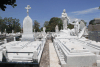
(7,2)
(41,28)
(52,24)
(92,22)
(10,24)
(36,26)
(46,23)
(70,26)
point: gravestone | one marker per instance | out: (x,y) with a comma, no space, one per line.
(56,29)
(27,27)
(5,31)
(44,29)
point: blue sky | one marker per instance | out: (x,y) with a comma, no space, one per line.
(44,10)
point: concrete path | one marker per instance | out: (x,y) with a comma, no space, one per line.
(54,61)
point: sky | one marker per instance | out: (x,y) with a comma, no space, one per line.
(44,10)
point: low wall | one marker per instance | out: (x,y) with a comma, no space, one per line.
(94,35)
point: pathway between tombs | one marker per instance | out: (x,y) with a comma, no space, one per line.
(54,61)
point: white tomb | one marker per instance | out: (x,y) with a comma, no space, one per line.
(25,51)
(27,27)
(73,49)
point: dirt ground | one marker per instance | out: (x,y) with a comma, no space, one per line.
(45,60)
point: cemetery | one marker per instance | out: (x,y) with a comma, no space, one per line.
(66,47)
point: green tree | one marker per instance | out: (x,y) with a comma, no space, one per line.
(7,2)
(70,26)
(2,25)
(41,29)
(13,24)
(52,24)
(46,23)
(92,22)
(10,24)
(36,26)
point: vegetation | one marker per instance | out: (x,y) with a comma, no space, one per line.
(46,23)
(92,22)
(13,24)
(50,25)
(70,26)
(36,26)
(10,24)
(7,2)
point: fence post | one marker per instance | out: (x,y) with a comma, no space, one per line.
(35,57)
(14,39)
(5,41)
(4,54)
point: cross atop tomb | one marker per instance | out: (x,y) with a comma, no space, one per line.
(28,7)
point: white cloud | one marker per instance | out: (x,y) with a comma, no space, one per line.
(73,19)
(91,10)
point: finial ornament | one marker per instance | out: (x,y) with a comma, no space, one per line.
(28,7)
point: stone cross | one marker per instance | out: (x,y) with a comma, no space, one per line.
(28,7)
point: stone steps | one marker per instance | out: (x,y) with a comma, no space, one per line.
(61,57)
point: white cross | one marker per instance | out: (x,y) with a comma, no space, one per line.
(28,7)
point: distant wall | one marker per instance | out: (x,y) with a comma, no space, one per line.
(94,35)
(94,27)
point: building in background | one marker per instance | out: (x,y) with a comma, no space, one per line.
(94,29)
